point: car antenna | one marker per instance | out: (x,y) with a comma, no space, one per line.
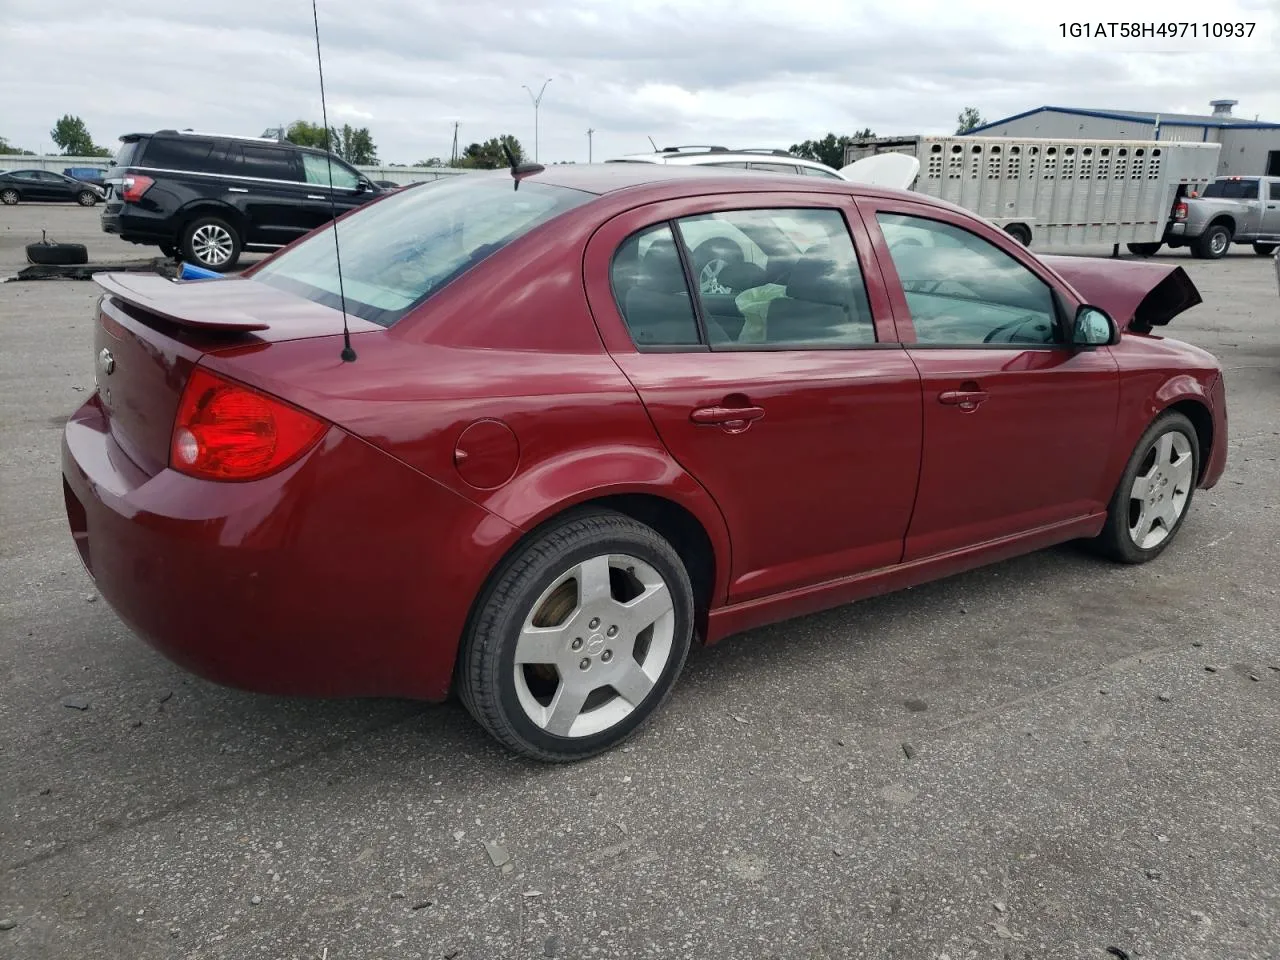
(654,145)
(348,354)
(518,169)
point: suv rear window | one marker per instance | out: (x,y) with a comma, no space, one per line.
(401,249)
(163,153)
(124,156)
(1232,189)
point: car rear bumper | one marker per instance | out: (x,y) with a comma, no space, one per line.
(346,574)
(137,226)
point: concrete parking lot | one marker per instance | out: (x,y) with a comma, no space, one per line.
(1052,757)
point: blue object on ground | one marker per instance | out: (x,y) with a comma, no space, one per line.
(191,272)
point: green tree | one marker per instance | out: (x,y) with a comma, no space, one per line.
(72,136)
(9,149)
(830,149)
(490,155)
(968,119)
(431,162)
(355,146)
(352,145)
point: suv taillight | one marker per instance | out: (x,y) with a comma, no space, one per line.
(1180,210)
(228,431)
(134,186)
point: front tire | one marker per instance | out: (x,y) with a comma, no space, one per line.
(212,243)
(578,639)
(1213,243)
(86,198)
(1154,494)
(9,197)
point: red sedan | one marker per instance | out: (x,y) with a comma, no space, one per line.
(596,412)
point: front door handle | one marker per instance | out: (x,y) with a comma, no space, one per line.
(964,399)
(732,419)
(316,196)
(237,189)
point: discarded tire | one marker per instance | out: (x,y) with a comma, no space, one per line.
(61,254)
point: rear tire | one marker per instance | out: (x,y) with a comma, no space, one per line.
(578,639)
(57,254)
(1144,249)
(1155,492)
(1213,244)
(1020,232)
(212,243)
(1265,249)
(9,197)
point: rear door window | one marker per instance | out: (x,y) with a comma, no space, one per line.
(177,154)
(125,155)
(268,163)
(774,167)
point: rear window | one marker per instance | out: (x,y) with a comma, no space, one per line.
(399,251)
(184,154)
(1232,189)
(124,156)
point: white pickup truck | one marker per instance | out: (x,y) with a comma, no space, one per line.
(1229,210)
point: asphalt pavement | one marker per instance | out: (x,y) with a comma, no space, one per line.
(1053,757)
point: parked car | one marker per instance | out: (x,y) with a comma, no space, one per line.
(1230,210)
(558,453)
(93,175)
(45,186)
(208,197)
(762,160)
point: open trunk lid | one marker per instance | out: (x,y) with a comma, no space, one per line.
(150,332)
(1138,294)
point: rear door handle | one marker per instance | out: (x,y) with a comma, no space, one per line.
(315,196)
(732,419)
(964,399)
(237,190)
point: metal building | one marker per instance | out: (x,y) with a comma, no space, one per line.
(1249,147)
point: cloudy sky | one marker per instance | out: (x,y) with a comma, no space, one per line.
(735,72)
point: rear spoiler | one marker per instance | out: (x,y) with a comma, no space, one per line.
(1138,294)
(184,304)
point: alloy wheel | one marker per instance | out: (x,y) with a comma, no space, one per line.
(212,244)
(1160,491)
(594,646)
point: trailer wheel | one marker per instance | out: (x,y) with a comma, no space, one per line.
(1213,244)
(1144,249)
(1265,249)
(1020,232)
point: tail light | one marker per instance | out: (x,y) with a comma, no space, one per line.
(1180,210)
(228,431)
(134,186)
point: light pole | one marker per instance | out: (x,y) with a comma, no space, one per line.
(537,102)
(589,133)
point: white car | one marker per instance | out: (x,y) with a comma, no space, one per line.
(772,161)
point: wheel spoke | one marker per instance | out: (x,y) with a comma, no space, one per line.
(565,708)
(1164,449)
(1142,529)
(1141,487)
(645,609)
(541,644)
(593,581)
(632,684)
(1180,473)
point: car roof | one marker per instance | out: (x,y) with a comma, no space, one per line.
(669,181)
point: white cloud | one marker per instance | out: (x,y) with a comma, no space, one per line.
(755,72)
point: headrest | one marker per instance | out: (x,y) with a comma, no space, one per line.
(742,276)
(660,268)
(821,281)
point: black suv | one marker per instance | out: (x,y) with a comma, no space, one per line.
(209,197)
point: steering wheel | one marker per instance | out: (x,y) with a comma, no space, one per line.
(711,257)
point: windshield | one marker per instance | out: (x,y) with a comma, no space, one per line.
(1232,189)
(400,250)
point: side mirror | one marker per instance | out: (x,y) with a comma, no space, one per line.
(1093,327)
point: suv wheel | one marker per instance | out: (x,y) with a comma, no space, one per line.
(212,243)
